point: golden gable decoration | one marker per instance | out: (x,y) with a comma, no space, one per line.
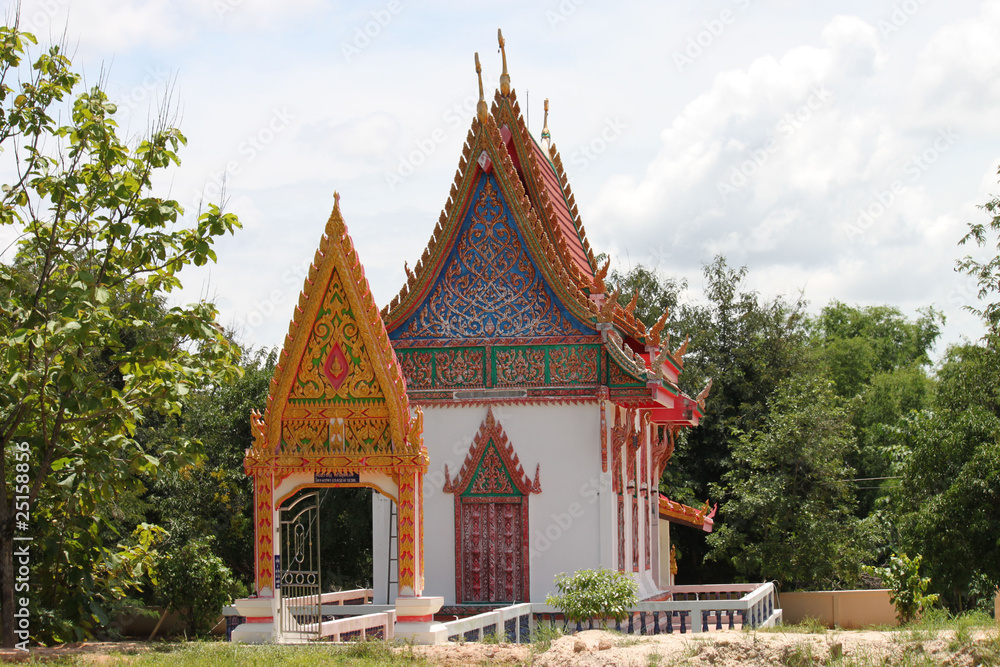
(338,403)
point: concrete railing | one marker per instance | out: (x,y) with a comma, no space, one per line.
(360,627)
(506,622)
(354,596)
(705,608)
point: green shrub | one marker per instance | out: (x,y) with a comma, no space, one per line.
(907,589)
(196,583)
(587,594)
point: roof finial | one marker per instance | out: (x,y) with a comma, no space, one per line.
(482,111)
(504,78)
(546,137)
(335,227)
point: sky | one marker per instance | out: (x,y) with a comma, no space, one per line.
(836,149)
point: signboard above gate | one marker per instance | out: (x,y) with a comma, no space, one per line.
(336,478)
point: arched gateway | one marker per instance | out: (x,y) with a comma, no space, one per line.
(337,416)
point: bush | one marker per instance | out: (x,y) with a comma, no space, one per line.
(907,589)
(196,583)
(588,594)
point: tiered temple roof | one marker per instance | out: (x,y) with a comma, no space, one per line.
(509,264)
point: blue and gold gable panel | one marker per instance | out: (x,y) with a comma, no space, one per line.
(490,287)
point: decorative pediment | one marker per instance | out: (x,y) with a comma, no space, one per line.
(337,388)
(485,159)
(491,467)
(489,286)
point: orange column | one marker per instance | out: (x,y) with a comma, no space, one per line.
(263,515)
(410,515)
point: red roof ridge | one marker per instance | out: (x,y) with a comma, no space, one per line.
(506,110)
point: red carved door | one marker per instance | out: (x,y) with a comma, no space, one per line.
(491,520)
(491,550)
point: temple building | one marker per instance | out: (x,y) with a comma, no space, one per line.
(511,412)
(549,409)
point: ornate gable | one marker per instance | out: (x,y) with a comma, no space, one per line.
(491,467)
(485,158)
(337,387)
(489,286)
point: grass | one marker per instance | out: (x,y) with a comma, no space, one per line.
(224,654)
(543,636)
(799,655)
(808,625)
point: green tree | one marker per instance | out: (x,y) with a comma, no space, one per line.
(589,594)
(87,345)
(657,293)
(196,583)
(947,503)
(877,359)
(748,345)
(907,589)
(858,342)
(986,272)
(212,497)
(788,513)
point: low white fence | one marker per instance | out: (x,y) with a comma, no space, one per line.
(300,622)
(506,622)
(358,627)
(692,609)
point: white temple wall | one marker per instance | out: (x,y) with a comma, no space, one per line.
(564,526)
(384,580)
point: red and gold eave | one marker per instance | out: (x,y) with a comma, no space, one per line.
(685,515)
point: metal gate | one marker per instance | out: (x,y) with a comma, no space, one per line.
(298,569)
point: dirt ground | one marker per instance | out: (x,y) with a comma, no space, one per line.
(727,648)
(95,650)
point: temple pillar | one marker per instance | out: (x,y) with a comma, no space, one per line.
(414,611)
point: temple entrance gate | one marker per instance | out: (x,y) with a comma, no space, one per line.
(337,415)
(298,575)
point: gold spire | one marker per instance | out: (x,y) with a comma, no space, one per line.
(335,225)
(482,111)
(546,137)
(504,78)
